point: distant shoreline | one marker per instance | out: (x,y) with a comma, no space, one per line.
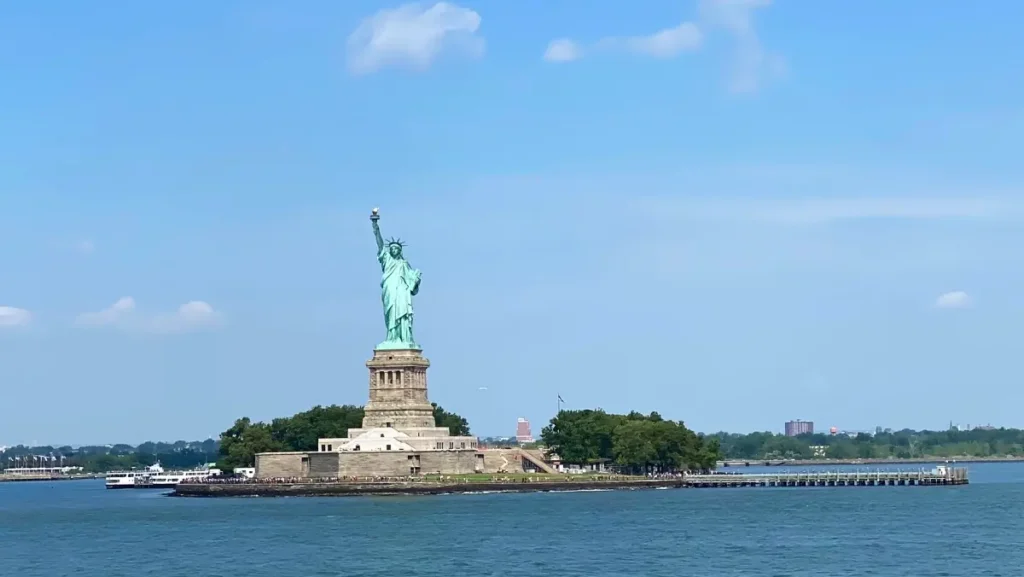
(731,463)
(26,478)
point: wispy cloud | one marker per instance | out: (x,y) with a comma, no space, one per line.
(563,50)
(413,35)
(123,314)
(827,210)
(667,43)
(14,317)
(953,300)
(751,63)
(120,310)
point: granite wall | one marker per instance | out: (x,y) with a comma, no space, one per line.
(401,464)
(291,464)
(388,463)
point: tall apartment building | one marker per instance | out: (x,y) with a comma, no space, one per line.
(523,434)
(798,427)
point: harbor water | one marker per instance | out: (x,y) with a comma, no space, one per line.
(79,528)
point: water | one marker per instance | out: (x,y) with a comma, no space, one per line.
(81,529)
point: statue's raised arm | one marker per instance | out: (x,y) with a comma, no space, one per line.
(374,217)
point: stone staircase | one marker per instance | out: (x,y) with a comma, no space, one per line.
(537,459)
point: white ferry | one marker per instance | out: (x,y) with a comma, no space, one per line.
(169,479)
(132,479)
(156,478)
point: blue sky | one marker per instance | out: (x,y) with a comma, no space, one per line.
(735,213)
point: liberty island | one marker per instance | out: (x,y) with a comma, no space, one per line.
(399,449)
(399,436)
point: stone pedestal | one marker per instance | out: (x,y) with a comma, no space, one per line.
(398,391)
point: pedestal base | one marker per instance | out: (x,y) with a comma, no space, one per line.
(398,391)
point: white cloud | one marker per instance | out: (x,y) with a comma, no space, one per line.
(666,43)
(189,316)
(117,312)
(14,317)
(123,314)
(413,35)
(828,210)
(953,300)
(563,50)
(751,62)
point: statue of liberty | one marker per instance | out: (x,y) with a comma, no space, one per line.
(399,282)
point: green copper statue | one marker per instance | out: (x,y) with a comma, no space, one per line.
(399,282)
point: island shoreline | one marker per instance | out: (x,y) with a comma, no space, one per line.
(941,476)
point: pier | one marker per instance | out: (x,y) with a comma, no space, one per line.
(940,476)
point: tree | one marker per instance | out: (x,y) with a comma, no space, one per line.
(634,446)
(458,426)
(581,436)
(301,431)
(636,442)
(240,443)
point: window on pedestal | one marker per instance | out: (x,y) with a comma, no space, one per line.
(387,447)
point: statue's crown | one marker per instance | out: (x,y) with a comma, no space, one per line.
(397,241)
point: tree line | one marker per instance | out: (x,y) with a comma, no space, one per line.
(634,442)
(103,458)
(904,444)
(299,432)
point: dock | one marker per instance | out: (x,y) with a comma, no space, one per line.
(941,476)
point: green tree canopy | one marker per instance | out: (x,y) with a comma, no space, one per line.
(458,426)
(904,444)
(634,441)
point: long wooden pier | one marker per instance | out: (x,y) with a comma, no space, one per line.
(941,475)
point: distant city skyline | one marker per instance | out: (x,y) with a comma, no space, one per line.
(779,208)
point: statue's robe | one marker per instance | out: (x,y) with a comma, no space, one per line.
(399,282)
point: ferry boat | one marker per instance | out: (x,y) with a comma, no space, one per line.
(132,479)
(155,477)
(170,479)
